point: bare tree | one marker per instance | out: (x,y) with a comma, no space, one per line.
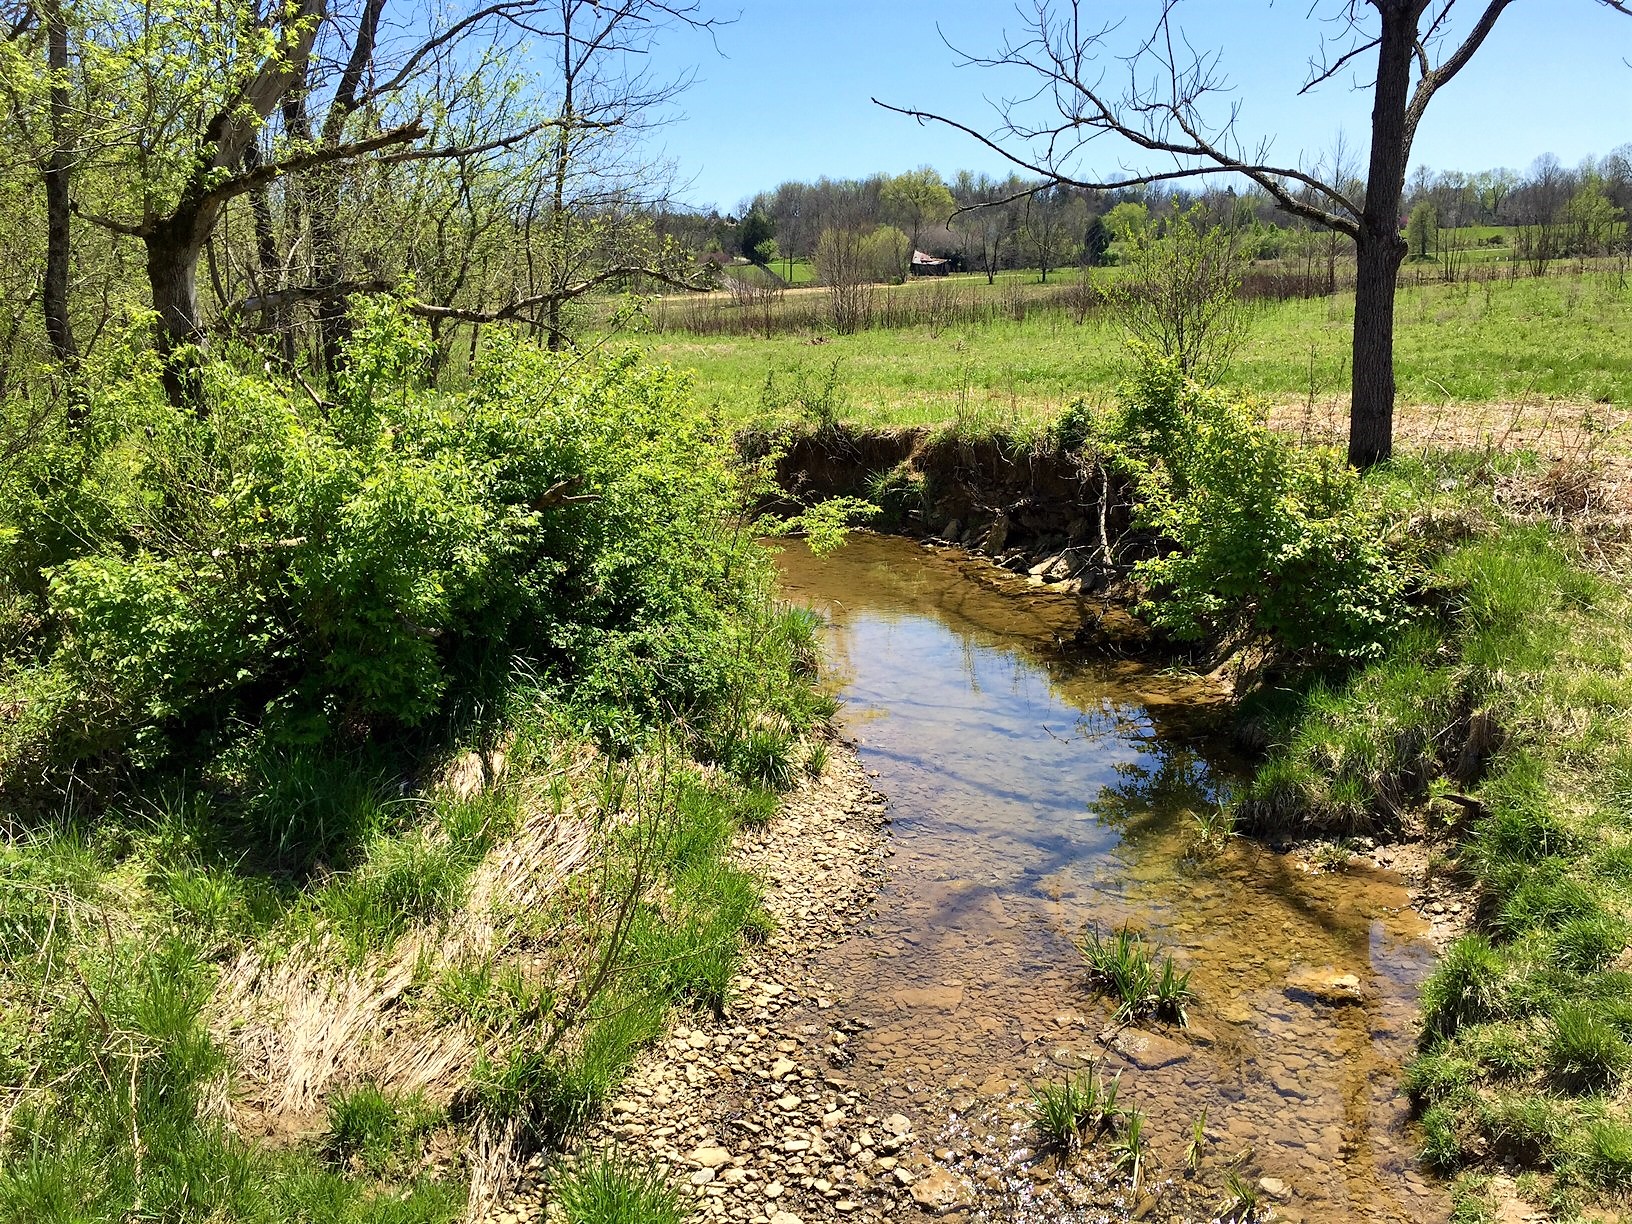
(1155,103)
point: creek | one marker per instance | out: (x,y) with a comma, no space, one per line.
(1032,798)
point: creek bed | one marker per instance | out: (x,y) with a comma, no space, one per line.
(1033,798)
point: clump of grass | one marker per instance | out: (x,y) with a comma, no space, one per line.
(1213,828)
(1606,1156)
(1464,989)
(1066,1113)
(1438,1074)
(1585,1052)
(605,1188)
(1333,856)
(1123,965)
(1130,1154)
(816,758)
(554,1091)
(375,1130)
(1240,1202)
(1523,1126)
(764,757)
(756,807)
(1442,1145)
(1588,943)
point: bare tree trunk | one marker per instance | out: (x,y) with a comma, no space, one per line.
(1379,249)
(277,320)
(1371,410)
(173,250)
(560,219)
(58,237)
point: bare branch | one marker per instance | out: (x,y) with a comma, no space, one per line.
(1433,79)
(1319,74)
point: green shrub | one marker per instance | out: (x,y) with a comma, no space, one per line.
(1265,537)
(373,570)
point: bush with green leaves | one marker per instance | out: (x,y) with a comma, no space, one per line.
(385,563)
(1260,537)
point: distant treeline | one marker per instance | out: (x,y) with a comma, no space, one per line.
(982,224)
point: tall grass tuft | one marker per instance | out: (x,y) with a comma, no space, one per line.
(606,1188)
(1065,1113)
(1123,965)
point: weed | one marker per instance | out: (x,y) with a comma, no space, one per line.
(1171,993)
(1130,1153)
(605,1188)
(1240,1202)
(1214,826)
(1333,855)
(816,758)
(1197,1147)
(757,807)
(1438,1074)
(1123,965)
(1063,1113)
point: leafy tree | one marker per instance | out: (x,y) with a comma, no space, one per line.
(753,234)
(1127,220)
(1178,297)
(1422,230)
(886,253)
(920,199)
(1096,242)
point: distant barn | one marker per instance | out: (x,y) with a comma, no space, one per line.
(928,265)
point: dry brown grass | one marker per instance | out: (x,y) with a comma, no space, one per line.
(300,1021)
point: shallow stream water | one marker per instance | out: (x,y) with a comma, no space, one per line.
(1033,798)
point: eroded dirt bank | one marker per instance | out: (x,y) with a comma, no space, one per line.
(1059,517)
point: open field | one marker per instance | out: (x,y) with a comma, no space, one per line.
(1543,350)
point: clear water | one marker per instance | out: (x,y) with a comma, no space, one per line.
(1033,798)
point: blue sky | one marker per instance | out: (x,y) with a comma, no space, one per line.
(787,96)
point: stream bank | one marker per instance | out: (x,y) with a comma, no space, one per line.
(877,1061)
(1033,507)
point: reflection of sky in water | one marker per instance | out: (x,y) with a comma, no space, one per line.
(972,737)
(1032,798)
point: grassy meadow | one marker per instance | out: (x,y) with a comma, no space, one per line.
(1527,345)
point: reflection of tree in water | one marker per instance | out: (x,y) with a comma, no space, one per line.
(1163,781)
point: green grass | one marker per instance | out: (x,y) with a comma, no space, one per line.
(1514,692)
(1070,1112)
(121,1053)
(1567,336)
(605,1188)
(1123,965)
